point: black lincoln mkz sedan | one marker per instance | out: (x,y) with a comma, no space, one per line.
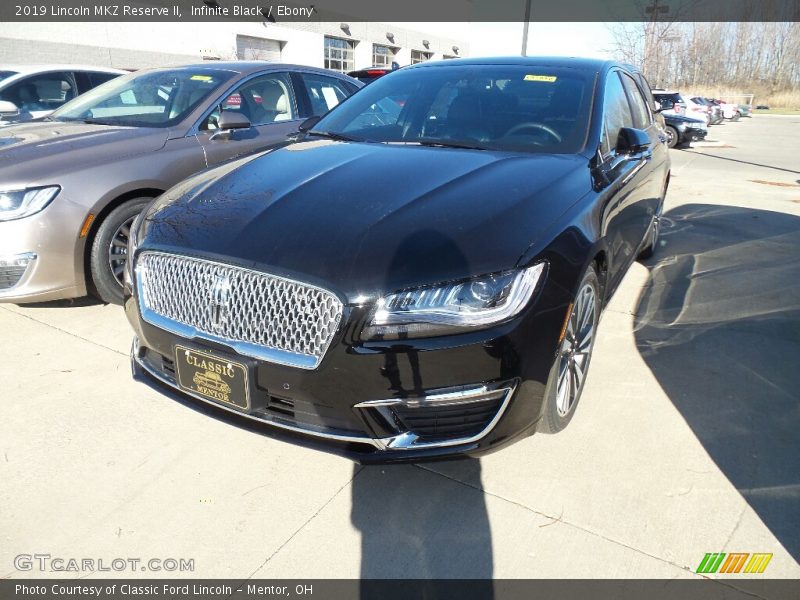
(416,275)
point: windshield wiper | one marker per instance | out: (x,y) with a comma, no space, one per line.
(448,144)
(333,135)
(95,122)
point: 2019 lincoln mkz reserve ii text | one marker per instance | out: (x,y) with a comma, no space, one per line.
(417,274)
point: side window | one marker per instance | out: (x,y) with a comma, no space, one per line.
(47,91)
(323,92)
(641,116)
(616,112)
(265,99)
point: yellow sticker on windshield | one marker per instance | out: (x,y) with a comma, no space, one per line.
(546,78)
(205,78)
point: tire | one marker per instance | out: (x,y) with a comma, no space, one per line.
(735,117)
(672,136)
(653,232)
(561,398)
(110,247)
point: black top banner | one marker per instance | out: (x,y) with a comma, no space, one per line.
(402,10)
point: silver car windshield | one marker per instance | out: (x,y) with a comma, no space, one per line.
(149,99)
(488,107)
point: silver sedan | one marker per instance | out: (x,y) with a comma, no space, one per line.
(72,183)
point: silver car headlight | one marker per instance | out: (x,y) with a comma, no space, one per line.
(473,303)
(23,202)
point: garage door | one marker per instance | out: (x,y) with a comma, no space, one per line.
(253,48)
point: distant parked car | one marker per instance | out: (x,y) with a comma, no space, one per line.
(746,110)
(715,115)
(697,110)
(72,183)
(670,102)
(33,91)
(762,107)
(729,111)
(682,130)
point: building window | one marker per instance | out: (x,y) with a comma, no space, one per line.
(418,56)
(382,56)
(339,54)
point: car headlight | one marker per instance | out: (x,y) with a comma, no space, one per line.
(437,310)
(23,202)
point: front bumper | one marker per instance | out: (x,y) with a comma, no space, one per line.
(691,134)
(407,400)
(50,236)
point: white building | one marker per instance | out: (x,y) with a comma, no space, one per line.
(339,46)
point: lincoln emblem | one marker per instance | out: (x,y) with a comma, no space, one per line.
(220,295)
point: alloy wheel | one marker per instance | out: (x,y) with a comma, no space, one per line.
(576,349)
(118,249)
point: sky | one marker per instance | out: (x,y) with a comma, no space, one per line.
(505,39)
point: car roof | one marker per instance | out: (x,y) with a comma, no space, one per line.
(28,69)
(574,62)
(245,67)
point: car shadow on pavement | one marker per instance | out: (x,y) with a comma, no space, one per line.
(747,162)
(417,524)
(718,323)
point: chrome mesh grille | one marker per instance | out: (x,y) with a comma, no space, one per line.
(240,305)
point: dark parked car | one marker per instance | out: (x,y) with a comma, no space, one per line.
(448,305)
(71,185)
(680,130)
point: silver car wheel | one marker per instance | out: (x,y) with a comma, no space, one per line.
(576,350)
(118,250)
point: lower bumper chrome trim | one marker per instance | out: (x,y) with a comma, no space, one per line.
(266,419)
(399,442)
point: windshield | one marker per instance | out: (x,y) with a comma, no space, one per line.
(493,107)
(6,74)
(151,99)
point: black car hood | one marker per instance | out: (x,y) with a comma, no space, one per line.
(364,218)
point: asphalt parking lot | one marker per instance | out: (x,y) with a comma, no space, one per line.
(685,441)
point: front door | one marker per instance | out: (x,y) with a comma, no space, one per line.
(269,102)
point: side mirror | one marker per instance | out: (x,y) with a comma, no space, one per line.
(632,141)
(229,119)
(228,122)
(309,123)
(8,109)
